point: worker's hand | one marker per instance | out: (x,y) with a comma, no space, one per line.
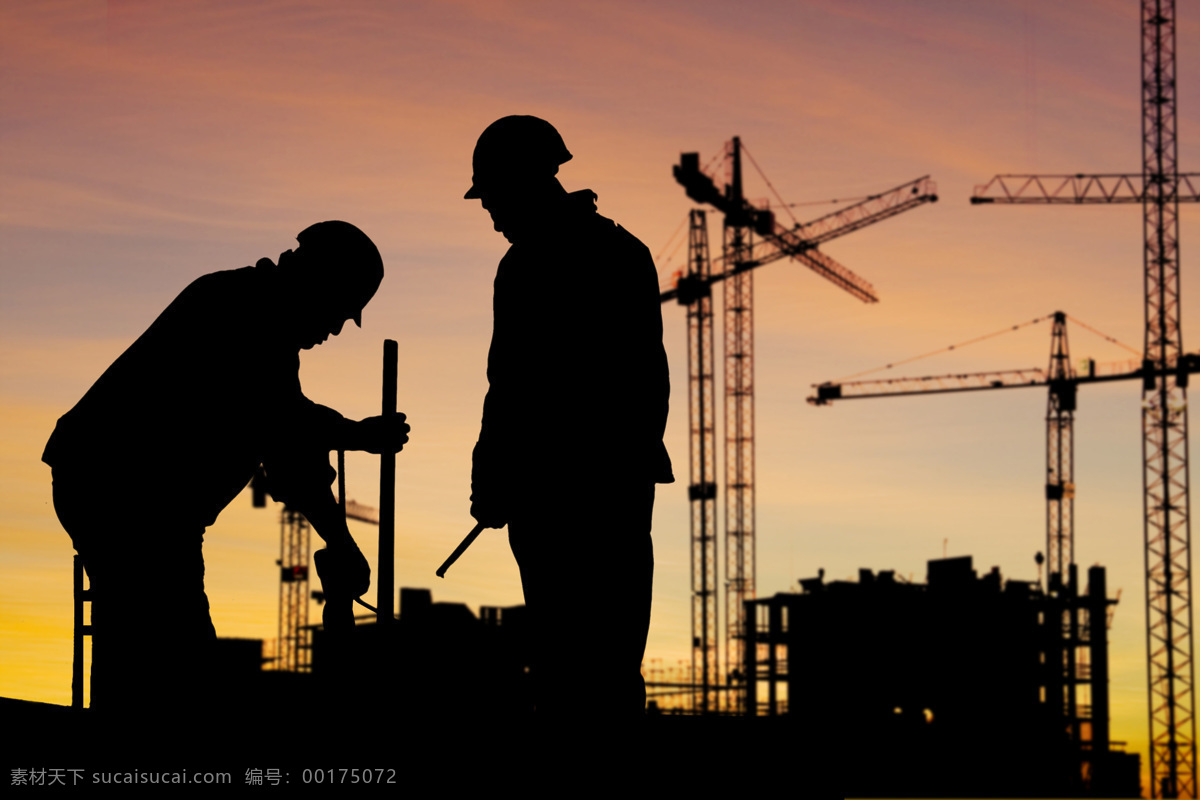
(338,614)
(382,434)
(489,512)
(344,571)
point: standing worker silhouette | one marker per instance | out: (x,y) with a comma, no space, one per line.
(175,429)
(571,447)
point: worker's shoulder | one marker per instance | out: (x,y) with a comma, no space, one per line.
(229,288)
(619,237)
(234,302)
(225,280)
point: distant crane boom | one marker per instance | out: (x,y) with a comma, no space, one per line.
(800,242)
(875,208)
(1002,379)
(1076,189)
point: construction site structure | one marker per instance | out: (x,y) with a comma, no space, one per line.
(669,688)
(295,542)
(955,687)
(702,458)
(1167,512)
(1060,453)
(751,238)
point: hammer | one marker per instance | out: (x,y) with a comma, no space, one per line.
(458,551)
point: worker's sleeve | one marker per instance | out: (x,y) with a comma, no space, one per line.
(658,377)
(300,434)
(297,466)
(637,393)
(489,478)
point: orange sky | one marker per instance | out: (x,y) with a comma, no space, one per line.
(143,144)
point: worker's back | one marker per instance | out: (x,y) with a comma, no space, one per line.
(186,408)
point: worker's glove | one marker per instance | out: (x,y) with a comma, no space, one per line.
(343,570)
(386,434)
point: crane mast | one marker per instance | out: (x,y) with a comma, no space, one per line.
(696,294)
(295,537)
(751,238)
(1166,498)
(1169,638)
(738,251)
(1060,453)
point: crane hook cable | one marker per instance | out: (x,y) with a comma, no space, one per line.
(946,349)
(770,185)
(658,259)
(1078,322)
(1104,336)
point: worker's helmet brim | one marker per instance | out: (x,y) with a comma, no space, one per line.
(515,147)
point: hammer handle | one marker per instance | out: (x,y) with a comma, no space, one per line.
(458,551)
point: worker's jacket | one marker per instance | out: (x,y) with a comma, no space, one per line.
(210,390)
(578,382)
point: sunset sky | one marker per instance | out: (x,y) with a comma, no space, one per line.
(143,144)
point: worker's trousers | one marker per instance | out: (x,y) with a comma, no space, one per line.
(587,572)
(152,637)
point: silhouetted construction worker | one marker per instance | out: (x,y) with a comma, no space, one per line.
(174,430)
(571,441)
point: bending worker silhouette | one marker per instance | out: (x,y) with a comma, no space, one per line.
(175,429)
(571,447)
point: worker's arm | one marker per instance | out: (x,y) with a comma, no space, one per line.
(374,434)
(491,459)
(300,478)
(325,429)
(300,475)
(296,462)
(342,567)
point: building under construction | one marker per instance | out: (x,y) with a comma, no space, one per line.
(965,685)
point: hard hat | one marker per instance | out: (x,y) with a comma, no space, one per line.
(349,263)
(516,146)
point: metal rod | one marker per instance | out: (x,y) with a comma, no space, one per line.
(341,470)
(77,644)
(387,494)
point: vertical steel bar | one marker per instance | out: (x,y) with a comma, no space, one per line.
(384,604)
(77,638)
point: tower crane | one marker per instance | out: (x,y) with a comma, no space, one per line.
(751,238)
(1167,514)
(1062,382)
